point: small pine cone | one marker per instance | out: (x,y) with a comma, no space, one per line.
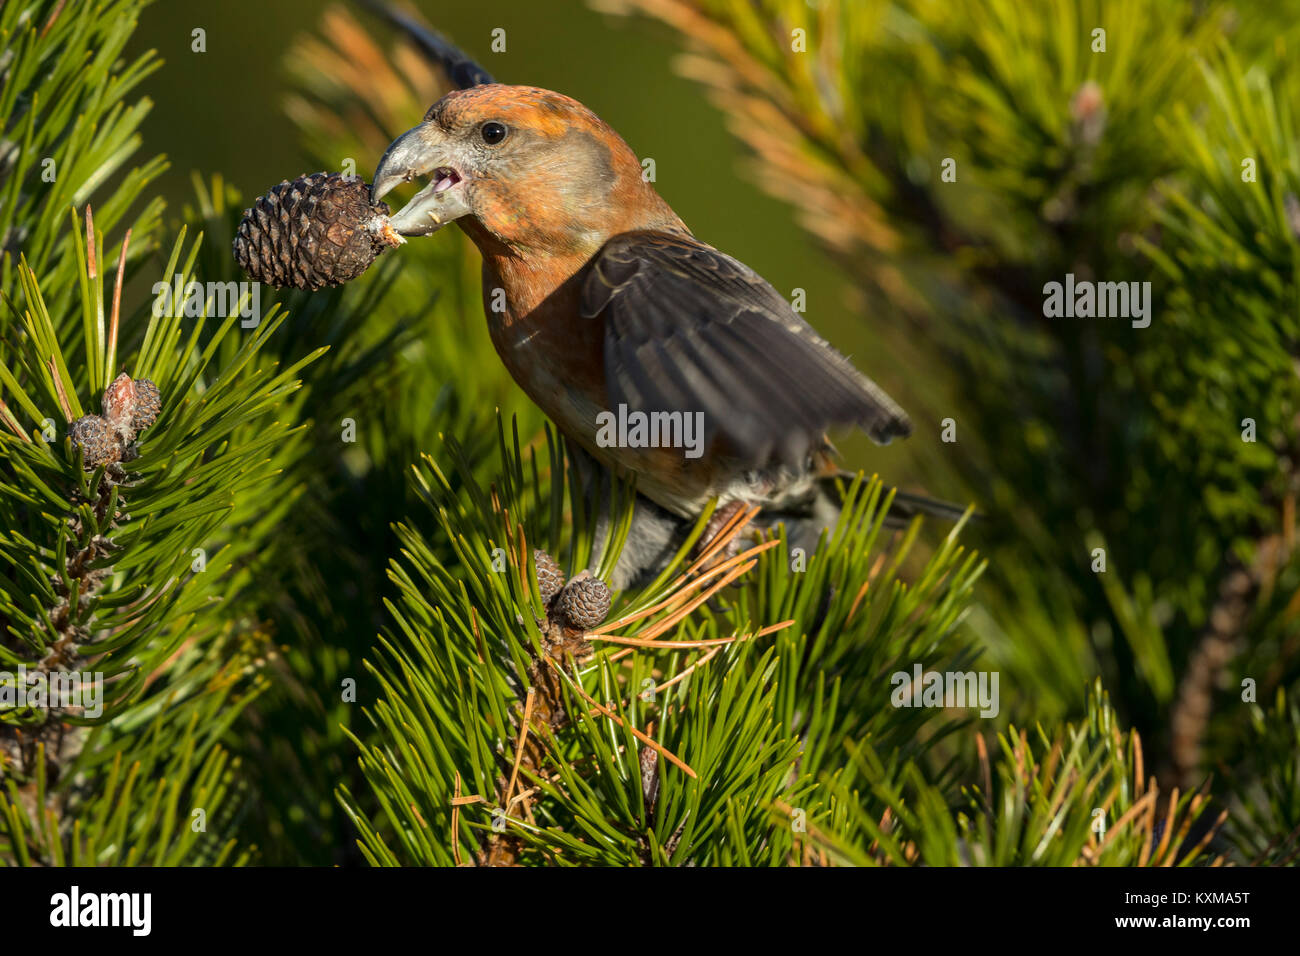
(148,403)
(649,777)
(97,440)
(584,602)
(319,230)
(550,579)
(119,402)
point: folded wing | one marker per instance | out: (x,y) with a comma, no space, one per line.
(690,329)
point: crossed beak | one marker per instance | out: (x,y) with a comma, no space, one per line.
(421,152)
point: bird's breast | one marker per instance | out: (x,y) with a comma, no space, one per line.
(557,357)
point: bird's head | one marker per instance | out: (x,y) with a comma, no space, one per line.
(523,167)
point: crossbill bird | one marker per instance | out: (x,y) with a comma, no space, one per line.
(599,298)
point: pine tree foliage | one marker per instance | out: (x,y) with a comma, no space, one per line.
(129,571)
(956,158)
(670,735)
(1265,820)
(1041,801)
(70,127)
(107,568)
(313,594)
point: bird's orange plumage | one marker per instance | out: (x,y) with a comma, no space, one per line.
(597,295)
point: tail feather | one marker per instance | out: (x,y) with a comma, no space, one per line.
(906,506)
(903,508)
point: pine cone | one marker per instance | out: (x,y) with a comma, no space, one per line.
(584,602)
(148,403)
(319,230)
(550,579)
(96,439)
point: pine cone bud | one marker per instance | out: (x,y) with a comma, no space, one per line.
(119,404)
(148,403)
(584,602)
(550,579)
(97,440)
(317,231)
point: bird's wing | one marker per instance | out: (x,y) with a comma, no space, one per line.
(692,330)
(458,66)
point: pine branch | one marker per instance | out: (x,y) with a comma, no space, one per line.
(87,585)
(500,739)
(1076,797)
(69,129)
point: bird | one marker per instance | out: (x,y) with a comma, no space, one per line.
(603,305)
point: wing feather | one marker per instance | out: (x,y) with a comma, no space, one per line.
(690,329)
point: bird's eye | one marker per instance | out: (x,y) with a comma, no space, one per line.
(493,133)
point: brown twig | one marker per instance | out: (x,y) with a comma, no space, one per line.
(519,744)
(7,417)
(117,308)
(648,741)
(455,822)
(59,390)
